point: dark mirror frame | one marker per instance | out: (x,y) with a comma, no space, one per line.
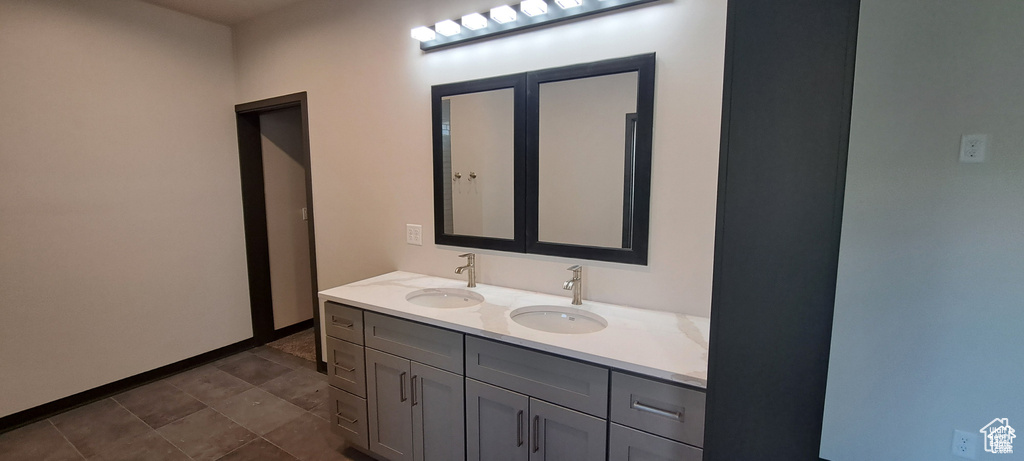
(517,83)
(526,150)
(639,219)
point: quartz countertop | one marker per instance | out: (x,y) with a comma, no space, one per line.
(659,344)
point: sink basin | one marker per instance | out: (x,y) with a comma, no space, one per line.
(558,319)
(444,298)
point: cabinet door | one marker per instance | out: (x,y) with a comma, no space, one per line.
(627,444)
(561,434)
(390,408)
(438,416)
(496,423)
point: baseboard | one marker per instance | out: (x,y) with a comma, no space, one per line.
(46,410)
(291,329)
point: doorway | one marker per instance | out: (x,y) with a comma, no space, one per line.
(277,203)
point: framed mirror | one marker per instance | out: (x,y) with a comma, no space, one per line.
(589,160)
(554,162)
(479,158)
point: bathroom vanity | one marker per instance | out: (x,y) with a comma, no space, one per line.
(423,368)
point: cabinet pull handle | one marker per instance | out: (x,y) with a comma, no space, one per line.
(350,421)
(677,415)
(519,429)
(536,434)
(335,320)
(401,386)
(414,390)
(350,370)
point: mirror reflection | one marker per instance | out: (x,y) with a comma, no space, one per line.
(478,142)
(587,145)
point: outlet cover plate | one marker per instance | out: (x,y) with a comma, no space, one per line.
(973,148)
(965,444)
(414,234)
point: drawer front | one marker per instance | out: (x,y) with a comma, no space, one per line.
(343,322)
(557,380)
(662,409)
(348,418)
(421,343)
(346,366)
(625,444)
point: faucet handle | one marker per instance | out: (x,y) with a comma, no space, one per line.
(575,268)
(467,255)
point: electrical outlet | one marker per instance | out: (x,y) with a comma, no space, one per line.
(414,234)
(965,444)
(973,147)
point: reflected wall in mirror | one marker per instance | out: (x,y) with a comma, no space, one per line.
(586,152)
(478,163)
(478,134)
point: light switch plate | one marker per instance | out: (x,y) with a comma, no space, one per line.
(414,234)
(973,148)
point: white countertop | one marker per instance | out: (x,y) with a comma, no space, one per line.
(659,344)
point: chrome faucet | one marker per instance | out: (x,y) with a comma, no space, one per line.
(471,265)
(576,285)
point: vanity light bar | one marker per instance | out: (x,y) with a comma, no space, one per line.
(505,20)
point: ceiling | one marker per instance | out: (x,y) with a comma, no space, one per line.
(227,12)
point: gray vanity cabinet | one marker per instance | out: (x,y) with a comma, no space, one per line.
(654,421)
(390,409)
(626,444)
(346,372)
(558,433)
(496,423)
(503,425)
(416,410)
(437,414)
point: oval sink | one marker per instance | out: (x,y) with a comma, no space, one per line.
(444,298)
(558,319)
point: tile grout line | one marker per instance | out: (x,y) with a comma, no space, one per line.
(73,447)
(153,429)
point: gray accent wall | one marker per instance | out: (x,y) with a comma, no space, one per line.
(929,310)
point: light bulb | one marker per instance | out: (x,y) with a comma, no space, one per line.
(447,28)
(533,7)
(503,14)
(423,34)
(474,21)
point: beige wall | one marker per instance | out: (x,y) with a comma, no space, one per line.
(284,186)
(369,111)
(928,315)
(582,159)
(120,218)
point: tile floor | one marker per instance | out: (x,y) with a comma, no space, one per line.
(262,404)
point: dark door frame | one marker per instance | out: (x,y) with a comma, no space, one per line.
(789,68)
(254,208)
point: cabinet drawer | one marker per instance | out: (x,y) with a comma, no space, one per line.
(557,380)
(343,322)
(625,444)
(348,417)
(421,343)
(346,366)
(662,409)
